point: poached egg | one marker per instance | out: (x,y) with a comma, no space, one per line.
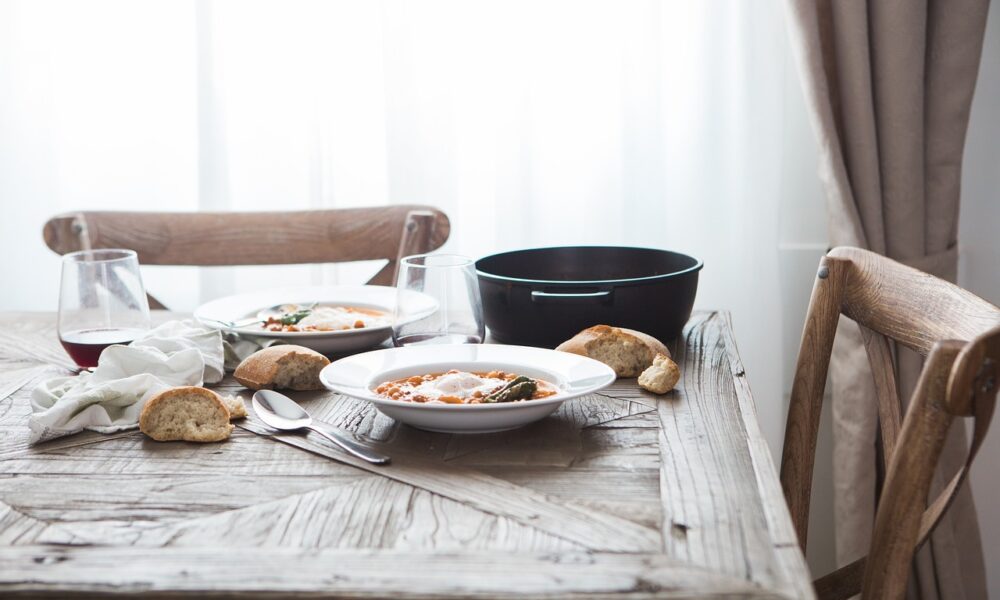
(335,318)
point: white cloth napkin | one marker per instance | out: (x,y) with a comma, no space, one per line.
(110,398)
(176,336)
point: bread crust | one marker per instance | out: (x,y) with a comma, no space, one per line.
(166,396)
(578,343)
(631,351)
(259,370)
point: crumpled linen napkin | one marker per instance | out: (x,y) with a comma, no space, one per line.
(110,398)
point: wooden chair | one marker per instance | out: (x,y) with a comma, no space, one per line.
(257,238)
(959,333)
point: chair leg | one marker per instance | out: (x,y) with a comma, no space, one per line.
(904,497)
(802,426)
(841,584)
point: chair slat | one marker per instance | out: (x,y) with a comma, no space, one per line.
(884,374)
(909,306)
(244,238)
(257,238)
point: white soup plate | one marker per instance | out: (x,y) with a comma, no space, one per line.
(573,375)
(221,311)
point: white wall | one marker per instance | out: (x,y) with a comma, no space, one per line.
(979,266)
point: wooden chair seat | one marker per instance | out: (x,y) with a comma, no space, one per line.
(959,334)
(257,238)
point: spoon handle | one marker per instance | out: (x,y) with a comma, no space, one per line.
(352,447)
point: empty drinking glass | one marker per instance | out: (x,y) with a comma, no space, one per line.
(101,302)
(450,281)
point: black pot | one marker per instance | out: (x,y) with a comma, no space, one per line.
(544,296)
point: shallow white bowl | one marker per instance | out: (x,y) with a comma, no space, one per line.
(573,375)
(240,306)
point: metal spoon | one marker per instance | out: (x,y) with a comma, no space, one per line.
(281,412)
(262,315)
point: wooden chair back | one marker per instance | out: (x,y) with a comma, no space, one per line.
(257,238)
(959,334)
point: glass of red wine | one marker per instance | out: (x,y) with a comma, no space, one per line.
(450,280)
(101,302)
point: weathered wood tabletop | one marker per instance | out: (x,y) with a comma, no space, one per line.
(619,493)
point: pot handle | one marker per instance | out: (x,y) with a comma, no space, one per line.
(573,297)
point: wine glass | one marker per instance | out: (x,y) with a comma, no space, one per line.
(101,302)
(450,281)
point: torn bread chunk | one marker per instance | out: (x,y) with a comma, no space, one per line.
(234,404)
(661,376)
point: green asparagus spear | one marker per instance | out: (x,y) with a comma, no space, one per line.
(295,317)
(519,388)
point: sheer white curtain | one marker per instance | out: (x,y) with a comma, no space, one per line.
(665,124)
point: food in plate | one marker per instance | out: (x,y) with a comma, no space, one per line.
(661,376)
(466,387)
(310,317)
(192,414)
(570,376)
(627,351)
(282,367)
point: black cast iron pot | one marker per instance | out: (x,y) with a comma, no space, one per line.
(544,296)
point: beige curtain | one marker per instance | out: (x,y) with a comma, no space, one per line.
(890,85)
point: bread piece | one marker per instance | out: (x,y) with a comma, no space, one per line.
(192,414)
(661,376)
(627,351)
(282,367)
(235,406)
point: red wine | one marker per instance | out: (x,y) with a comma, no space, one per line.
(85,346)
(425,339)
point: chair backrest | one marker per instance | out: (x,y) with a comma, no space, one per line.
(959,333)
(257,238)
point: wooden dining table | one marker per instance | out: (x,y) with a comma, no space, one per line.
(620,493)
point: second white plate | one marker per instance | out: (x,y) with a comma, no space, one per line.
(233,308)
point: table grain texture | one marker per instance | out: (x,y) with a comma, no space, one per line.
(621,493)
